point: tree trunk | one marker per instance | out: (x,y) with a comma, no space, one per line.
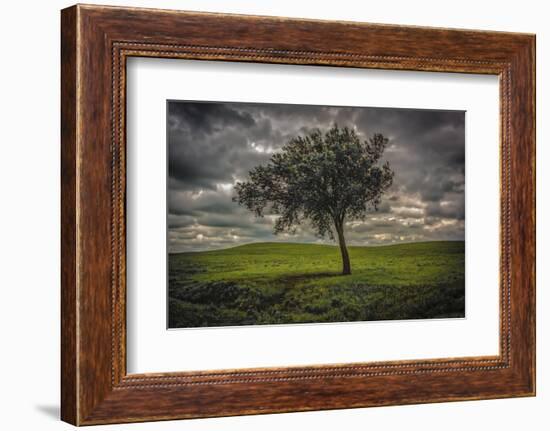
(346,266)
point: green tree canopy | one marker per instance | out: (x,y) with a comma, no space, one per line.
(324,178)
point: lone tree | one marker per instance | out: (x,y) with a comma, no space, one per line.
(326,178)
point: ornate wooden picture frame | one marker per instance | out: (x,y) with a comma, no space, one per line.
(96,41)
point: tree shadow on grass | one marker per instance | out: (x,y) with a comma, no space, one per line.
(294,279)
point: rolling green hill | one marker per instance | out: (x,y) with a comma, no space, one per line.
(281,283)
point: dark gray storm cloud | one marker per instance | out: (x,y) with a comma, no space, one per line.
(213,145)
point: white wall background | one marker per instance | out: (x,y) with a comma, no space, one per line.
(29,215)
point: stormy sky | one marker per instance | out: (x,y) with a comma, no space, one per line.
(213,145)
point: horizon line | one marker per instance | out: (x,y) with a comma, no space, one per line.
(316,244)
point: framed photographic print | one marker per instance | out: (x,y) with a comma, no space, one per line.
(266,215)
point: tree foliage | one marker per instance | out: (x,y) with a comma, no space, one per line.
(324,178)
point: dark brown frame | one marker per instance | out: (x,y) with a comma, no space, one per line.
(95,42)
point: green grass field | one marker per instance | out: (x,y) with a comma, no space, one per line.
(282,283)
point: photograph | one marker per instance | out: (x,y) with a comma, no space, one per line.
(289,214)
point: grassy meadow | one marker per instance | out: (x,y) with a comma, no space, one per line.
(284,283)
